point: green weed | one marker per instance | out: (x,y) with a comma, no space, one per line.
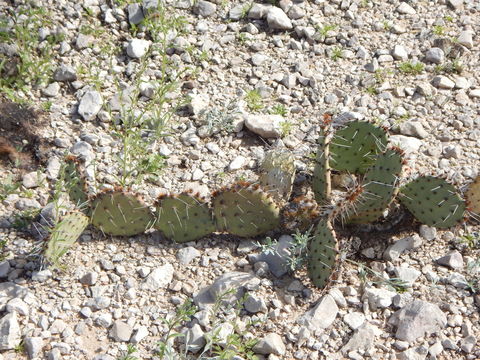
(279,109)
(128,354)
(413,68)
(254,100)
(337,53)
(453,67)
(325,29)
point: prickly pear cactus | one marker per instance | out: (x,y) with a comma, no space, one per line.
(64,235)
(245,210)
(299,214)
(473,196)
(75,182)
(380,186)
(433,201)
(277,174)
(321,183)
(120,213)
(322,254)
(354,148)
(185,217)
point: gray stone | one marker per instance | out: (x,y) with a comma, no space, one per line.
(83,150)
(453,260)
(406,143)
(24,204)
(10,334)
(417,353)
(33,179)
(122,99)
(51,90)
(4,268)
(258,11)
(135,13)
(468,343)
(83,41)
(400,53)
(186,255)
(140,334)
(270,344)
(455,4)
(198,104)
(363,339)
(428,233)
(417,319)
(258,59)
(104,320)
(354,320)
(458,280)
(413,128)
(89,278)
(90,105)
(239,281)
(254,304)
(435,349)
(465,38)
(42,275)
(405,8)
(378,298)
(277,259)
(204,8)
(237,163)
(394,251)
(33,346)
(435,55)
(137,48)
(425,89)
(278,20)
(321,316)
(194,339)
(265,125)
(121,331)
(407,274)
(17,305)
(338,297)
(238,11)
(159,278)
(53,167)
(296,12)
(443,82)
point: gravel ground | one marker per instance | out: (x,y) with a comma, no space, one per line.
(251,76)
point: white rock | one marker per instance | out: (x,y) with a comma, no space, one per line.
(194,339)
(265,125)
(90,105)
(405,8)
(237,163)
(363,339)
(159,278)
(321,316)
(270,344)
(354,319)
(443,82)
(400,53)
(140,334)
(33,179)
(186,255)
(9,332)
(379,298)
(33,346)
(137,48)
(121,331)
(17,305)
(278,20)
(406,143)
(453,260)
(466,39)
(407,274)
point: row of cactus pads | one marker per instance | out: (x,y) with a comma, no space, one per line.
(359,150)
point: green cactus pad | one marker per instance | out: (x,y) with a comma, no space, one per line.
(184,217)
(245,210)
(379,187)
(433,201)
(354,147)
(321,183)
(120,213)
(277,174)
(473,196)
(64,235)
(322,254)
(75,182)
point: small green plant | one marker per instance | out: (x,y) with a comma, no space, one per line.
(254,100)
(242,38)
(286,127)
(448,18)
(453,67)
(128,355)
(471,240)
(23,219)
(324,30)
(279,109)
(337,53)
(370,276)
(438,30)
(8,186)
(219,118)
(386,25)
(372,90)
(245,9)
(20,348)
(413,68)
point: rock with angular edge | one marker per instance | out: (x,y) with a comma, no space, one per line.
(265,125)
(9,332)
(417,319)
(278,20)
(453,260)
(362,339)
(121,331)
(90,105)
(321,316)
(137,48)
(271,344)
(159,278)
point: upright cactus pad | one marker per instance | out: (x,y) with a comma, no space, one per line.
(245,210)
(121,213)
(473,196)
(433,201)
(75,182)
(64,235)
(184,217)
(321,183)
(277,174)
(322,254)
(354,147)
(379,187)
